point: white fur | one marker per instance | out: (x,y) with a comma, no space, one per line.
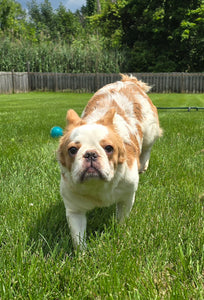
(89,136)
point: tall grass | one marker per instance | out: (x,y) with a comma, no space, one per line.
(82,56)
(157,254)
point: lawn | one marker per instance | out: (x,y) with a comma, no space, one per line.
(157,254)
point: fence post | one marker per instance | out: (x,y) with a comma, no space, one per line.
(29,78)
(55,83)
(13,83)
(96,85)
(182,83)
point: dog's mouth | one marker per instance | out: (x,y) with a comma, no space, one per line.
(91,173)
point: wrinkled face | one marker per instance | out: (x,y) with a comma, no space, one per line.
(90,151)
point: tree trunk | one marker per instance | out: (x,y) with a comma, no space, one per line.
(98,6)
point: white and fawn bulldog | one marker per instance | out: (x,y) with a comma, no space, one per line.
(102,153)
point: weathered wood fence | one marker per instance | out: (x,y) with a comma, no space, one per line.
(16,82)
(13,82)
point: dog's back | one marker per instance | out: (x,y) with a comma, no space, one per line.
(136,119)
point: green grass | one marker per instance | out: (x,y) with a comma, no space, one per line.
(157,254)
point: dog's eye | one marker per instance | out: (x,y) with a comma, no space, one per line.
(72,151)
(109,149)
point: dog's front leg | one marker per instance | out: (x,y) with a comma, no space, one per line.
(77,223)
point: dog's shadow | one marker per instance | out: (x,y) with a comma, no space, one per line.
(51,233)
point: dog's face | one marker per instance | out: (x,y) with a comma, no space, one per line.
(91,151)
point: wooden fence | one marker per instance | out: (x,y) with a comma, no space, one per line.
(13,82)
(16,82)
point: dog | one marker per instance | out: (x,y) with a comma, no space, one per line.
(102,152)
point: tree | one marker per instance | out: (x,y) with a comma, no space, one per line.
(153,32)
(12,17)
(191,36)
(108,22)
(43,18)
(67,24)
(54,25)
(90,7)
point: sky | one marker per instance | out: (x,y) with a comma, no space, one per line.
(73,5)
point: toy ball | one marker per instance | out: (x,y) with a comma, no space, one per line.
(56,131)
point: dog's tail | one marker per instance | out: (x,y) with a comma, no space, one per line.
(145,87)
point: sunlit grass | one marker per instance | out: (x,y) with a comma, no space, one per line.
(157,254)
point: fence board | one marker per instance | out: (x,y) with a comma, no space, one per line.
(88,82)
(5,82)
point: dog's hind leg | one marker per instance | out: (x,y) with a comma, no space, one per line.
(144,159)
(123,208)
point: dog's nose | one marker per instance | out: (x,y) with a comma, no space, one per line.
(91,156)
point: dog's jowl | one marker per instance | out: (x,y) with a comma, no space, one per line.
(102,152)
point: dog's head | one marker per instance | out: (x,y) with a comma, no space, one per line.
(91,151)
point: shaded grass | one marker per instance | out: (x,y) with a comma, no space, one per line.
(157,254)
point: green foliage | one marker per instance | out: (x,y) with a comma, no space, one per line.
(109,23)
(191,36)
(12,18)
(133,35)
(157,254)
(83,55)
(53,25)
(90,7)
(67,24)
(165,36)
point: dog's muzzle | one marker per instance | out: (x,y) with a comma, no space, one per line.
(91,166)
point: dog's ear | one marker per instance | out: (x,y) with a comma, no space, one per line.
(72,117)
(61,156)
(108,117)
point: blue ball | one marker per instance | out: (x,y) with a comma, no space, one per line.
(56,131)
